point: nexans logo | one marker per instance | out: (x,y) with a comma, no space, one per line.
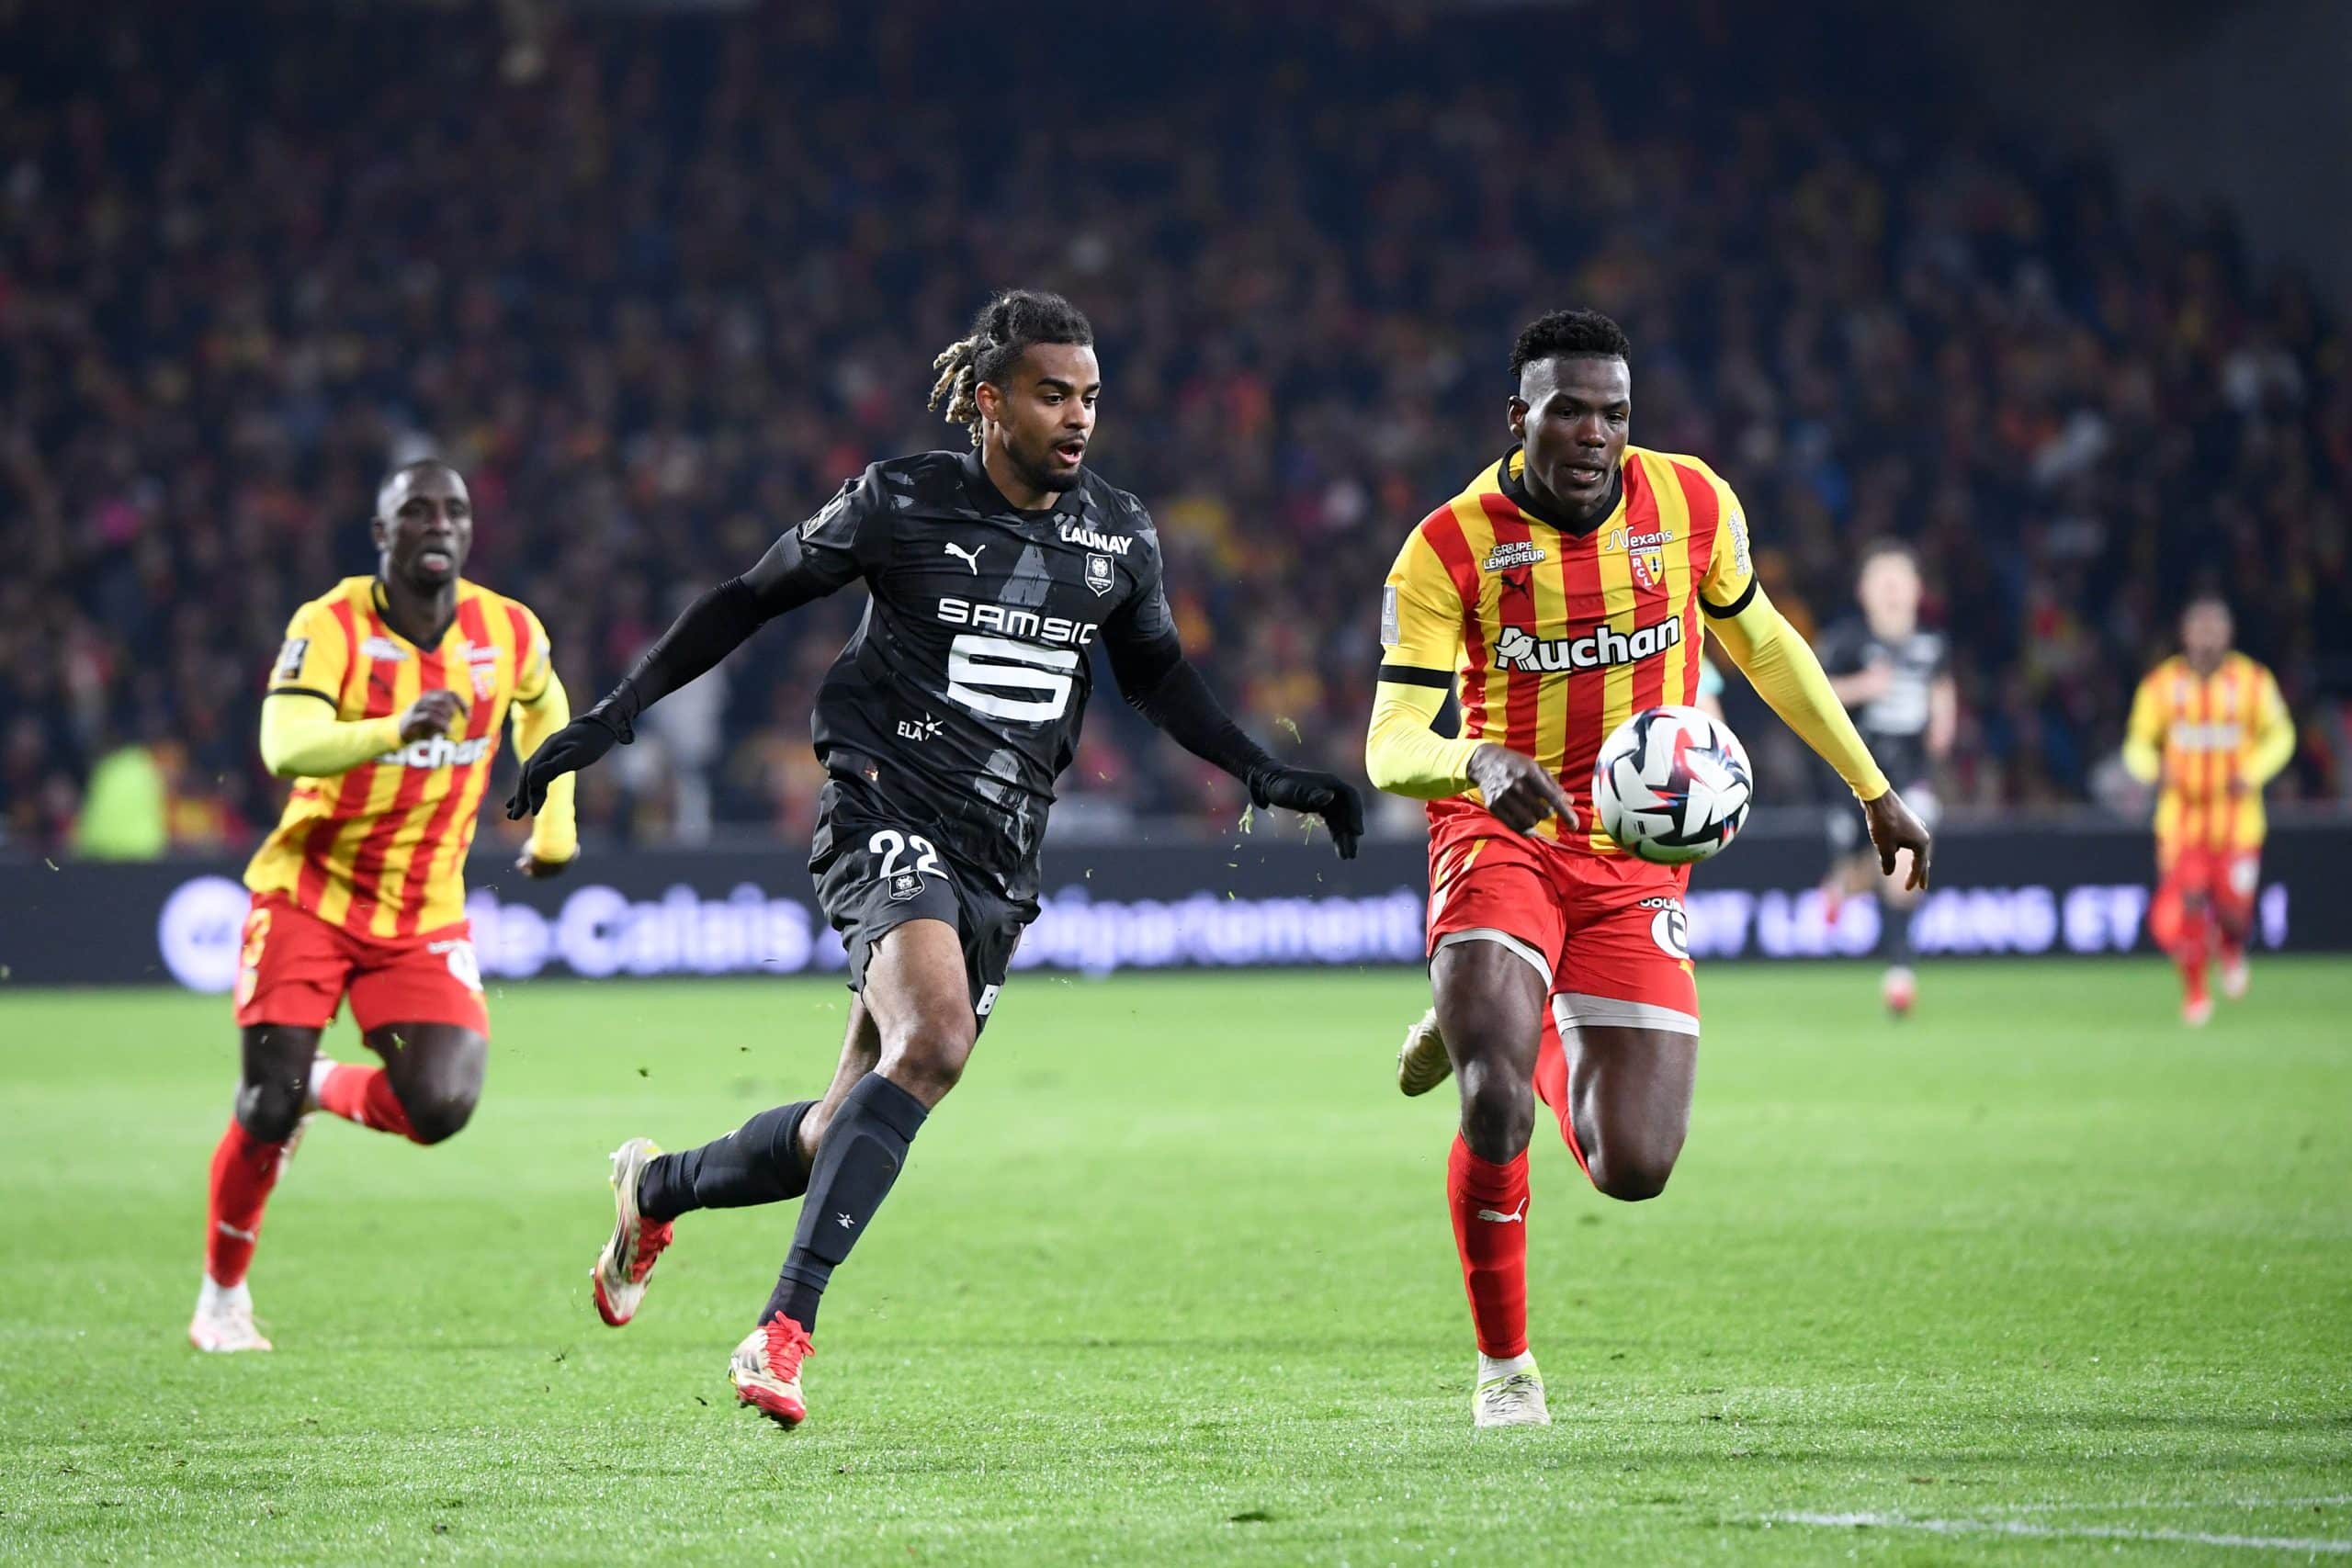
(440,752)
(1516,650)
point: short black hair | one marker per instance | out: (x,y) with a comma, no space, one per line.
(420,466)
(1570,333)
(413,467)
(1879,549)
(2207,595)
(1004,330)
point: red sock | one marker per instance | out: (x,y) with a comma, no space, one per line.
(243,1170)
(1493,1247)
(2192,951)
(364,1095)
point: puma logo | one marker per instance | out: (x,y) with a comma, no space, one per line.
(843,1220)
(1516,1217)
(970,558)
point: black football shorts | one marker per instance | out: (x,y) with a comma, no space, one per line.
(873,874)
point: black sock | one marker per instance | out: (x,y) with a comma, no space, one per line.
(1895,933)
(864,1147)
(757,1163)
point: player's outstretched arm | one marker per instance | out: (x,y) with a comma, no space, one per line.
(1790,679)
(2274,735)
(2144,735)
(831,549)
(554,844)
(1155,676)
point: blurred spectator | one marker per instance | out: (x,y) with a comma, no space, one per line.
(662,285)
(125,810)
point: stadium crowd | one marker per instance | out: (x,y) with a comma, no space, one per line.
(659,293)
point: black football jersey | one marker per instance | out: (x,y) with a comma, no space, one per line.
(1895,723)
(958,700)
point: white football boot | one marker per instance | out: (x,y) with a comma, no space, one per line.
(1510,1393)
(1421,1063)
(637,1243)
(224,1324)
(2236,978)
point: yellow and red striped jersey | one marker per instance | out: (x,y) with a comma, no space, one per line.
(1552,636)
(2213,741)
(379,850)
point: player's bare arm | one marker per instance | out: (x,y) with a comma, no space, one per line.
(1895,829)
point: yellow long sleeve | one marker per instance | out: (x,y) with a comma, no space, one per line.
(2274,739)
(2143,735)
(1785,673)
(1403,755)
(555,832)
(302,739)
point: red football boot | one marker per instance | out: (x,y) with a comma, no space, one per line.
(765,1370)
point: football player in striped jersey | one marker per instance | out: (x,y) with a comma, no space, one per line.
(384,708)
(2209,729)
(1562,592)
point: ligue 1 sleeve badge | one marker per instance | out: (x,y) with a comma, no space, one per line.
(1099,575)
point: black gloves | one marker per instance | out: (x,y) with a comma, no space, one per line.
(568,751)
(1327,795)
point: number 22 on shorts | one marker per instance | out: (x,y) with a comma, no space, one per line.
(904,881)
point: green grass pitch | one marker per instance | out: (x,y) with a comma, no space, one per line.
(2036,1276)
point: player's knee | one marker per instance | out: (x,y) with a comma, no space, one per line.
(438,1112)
(1498,1110)
(269,1108)
(928,1060)
(1631,1175)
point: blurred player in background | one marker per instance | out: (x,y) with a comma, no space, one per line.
(1894,678)
(384,708)
(1562,591)
(943,727)
(2209,729)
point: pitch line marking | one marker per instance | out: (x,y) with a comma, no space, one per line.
(2337,1501)
(2058,1532)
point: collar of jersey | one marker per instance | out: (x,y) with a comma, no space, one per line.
(976,476)
(1515,490)
(383,609)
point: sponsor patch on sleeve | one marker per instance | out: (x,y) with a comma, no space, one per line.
(1389,636)
(290,657)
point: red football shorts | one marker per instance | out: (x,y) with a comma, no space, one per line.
(1607,933)
(295,969)
(2229,877)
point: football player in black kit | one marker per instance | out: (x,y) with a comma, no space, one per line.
(941,727)
(1894,677)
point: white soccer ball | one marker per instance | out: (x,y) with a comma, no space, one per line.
(1672,786)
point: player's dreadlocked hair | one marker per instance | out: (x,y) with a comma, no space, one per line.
(1568,332)
(1000,334)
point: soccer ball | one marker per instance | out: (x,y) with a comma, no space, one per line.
(1671,786)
